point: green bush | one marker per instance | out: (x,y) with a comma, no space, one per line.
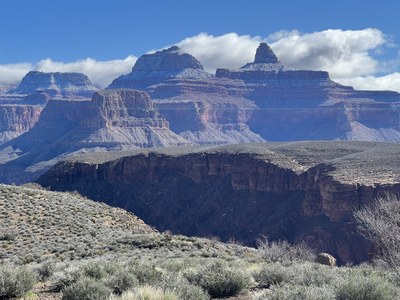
(86,289)
(15,281)
(219,279)
(357,286)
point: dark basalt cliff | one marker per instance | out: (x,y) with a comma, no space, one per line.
(303,191)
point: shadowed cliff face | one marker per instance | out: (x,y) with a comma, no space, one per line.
(297,191)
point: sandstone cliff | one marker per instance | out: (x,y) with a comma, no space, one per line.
(303,191)
(201,108)
(21,106)
(112,120)
(17,119)
(308,105)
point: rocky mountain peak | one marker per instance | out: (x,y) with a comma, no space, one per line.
(171,59)
(56,84)
(265,55)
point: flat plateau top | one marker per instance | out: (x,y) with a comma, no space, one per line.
(351,162)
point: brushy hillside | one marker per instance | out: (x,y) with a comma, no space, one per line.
(60,246)
(37,225)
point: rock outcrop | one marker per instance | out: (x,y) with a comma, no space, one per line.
(17,119)
(62,85)
(21,106)
(198,106)
(308,105)
(112,120)
(280,104)
(304,191)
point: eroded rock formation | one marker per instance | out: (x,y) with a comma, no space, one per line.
(200,107)
(303,191)
(112,120)
(308,105)
(65,85)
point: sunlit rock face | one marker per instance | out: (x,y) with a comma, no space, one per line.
(308,105)
(200,107)
(65,85)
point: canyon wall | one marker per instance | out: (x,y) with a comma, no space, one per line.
(242,192)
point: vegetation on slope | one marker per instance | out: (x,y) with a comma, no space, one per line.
(126,259)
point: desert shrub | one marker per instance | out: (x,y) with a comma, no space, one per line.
(45,270)
(62,279)
(181,287)
(219,279)
(299,292)
(146,273)
(302,274)
(15,281)
(272,274)
(357,286)
(121,281)
(282,251)
(86,289)
(313,274)
(380,223)
(147,293)
(96,270)
(7,235)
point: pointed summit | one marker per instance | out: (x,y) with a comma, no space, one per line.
(265,55)
(265,60)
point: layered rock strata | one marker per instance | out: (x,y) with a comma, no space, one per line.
(64,85)
(201,108)
(305,191)
(308,105)
(112,120)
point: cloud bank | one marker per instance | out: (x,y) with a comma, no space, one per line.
(350,56)
(101,73)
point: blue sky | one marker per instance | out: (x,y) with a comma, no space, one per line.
(44,34)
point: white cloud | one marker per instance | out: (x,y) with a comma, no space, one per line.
(12,73)
(101,73)
(389,82)
(345,54)
(226,51)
